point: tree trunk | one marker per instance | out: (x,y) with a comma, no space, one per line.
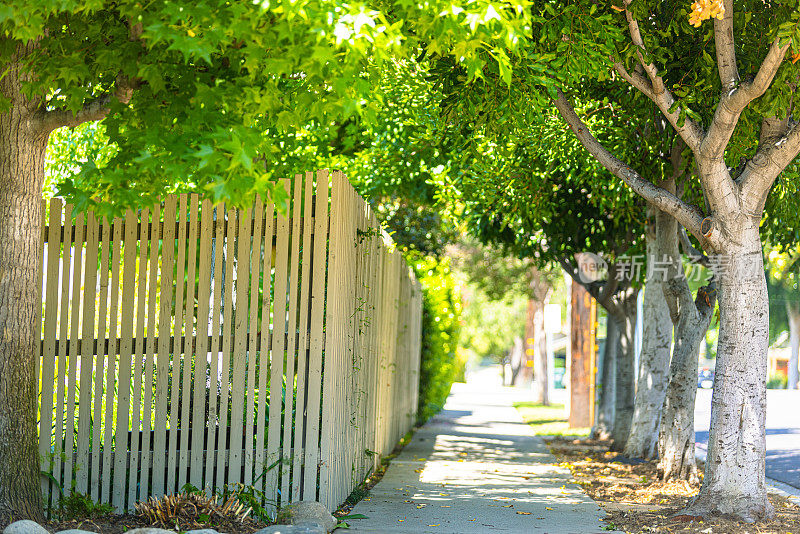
(605,389)
(734,481)
(793,312)
(625,316)
(662,258)
(540,393)
(676,440)
(22,153)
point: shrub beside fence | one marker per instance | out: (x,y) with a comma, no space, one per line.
(187,343)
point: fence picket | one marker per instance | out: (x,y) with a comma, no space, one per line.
(199,422)
(298,453)
(187,350)
(291,337)
(49,376)
(177,352)
(222,449)
(138,354)
(211,441)
(85,393)
(163,358)
(72,351)
(274,450)
(149,372)
(264,367)
(121,433)
(252,353)
(316,334)
(239,356)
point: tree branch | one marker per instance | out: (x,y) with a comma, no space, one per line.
(761,171)
(726,50)
(691,132)
(736,99)
(689,249)
(685,214)
(93,110)
(635,79)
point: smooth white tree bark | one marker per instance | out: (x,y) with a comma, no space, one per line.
(676,446)
(734,481)
(624,314)
(654,359)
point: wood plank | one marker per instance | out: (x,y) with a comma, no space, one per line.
(264,367)
(41,288)
(163,358)
(302,343)
(291,347)
(75,310)
(274,457)
(85,399)
(111,382)
(240,352)
(188,325)
(175,383)
(138,357)
(124,379)
(100,363)
(218,253)
(334,345)
(227,325)
(49,352)
(317,341)
(149,371)
(255,270)
(199,420)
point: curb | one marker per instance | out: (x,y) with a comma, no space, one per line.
(781,488)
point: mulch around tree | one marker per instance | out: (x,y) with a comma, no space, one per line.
(635,500)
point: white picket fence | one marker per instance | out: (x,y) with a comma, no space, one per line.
(187,343)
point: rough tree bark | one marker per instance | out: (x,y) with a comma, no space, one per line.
(22,152)
(793,313)
(606,394)
(676,439)
(654,359)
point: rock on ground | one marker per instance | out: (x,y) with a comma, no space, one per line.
(26,526)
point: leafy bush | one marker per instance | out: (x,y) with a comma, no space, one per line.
(441,325)
(78,506)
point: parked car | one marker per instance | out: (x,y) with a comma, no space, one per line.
(705,378)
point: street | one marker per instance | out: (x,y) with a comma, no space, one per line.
(783,432)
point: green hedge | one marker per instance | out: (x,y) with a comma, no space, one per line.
(441,324)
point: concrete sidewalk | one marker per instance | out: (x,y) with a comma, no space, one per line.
(477,468)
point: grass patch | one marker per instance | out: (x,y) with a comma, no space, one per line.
(548,420)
